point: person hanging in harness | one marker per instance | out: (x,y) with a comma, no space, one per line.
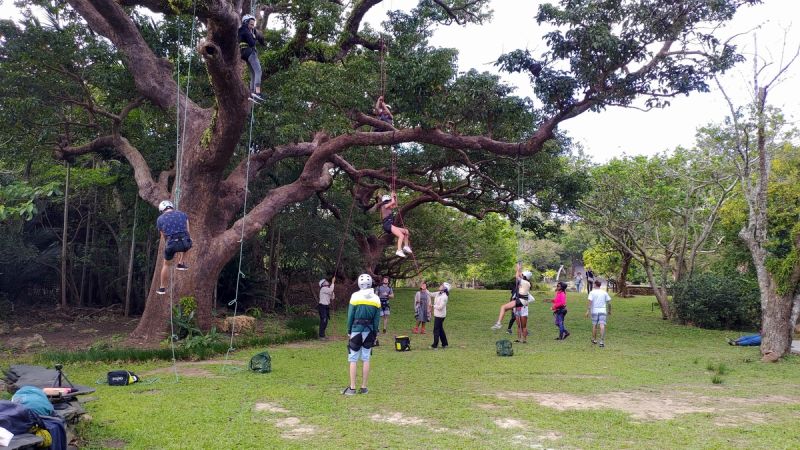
(383,111)
(522,294)
(388,203)
(363,320)
(248,36)
(174,228)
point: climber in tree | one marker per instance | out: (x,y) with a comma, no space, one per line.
(388,203)
(383,111)
(174,228)
(247,43)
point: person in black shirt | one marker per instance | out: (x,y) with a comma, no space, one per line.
(247,43)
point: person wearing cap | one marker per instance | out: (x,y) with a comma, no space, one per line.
(388,203)
(248,36)
(363,320)
(326,294)
(383,111)
(174,228)
(439,314)
(520,298)
(560,310)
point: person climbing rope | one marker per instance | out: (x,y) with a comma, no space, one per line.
(247,43)
(174,228)
(383,111)
(388,203)
(522,296)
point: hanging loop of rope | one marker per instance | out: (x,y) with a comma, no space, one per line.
(382,44)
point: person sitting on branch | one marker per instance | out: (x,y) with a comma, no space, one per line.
(388,203)
(383,111)
(522,296)
(174,228)
(247,44)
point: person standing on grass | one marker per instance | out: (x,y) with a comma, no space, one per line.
(560,309)
(174,228)
(599,307)
(522,323)
(324,307)
(385,292)
(578,281)
(439,314)
(363,320)
(422,308)
(589,280)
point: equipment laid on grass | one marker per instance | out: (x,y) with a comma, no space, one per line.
(402,343)
(261,363)
(504,348)
(122,378)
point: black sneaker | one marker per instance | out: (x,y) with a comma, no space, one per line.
(349,391)
(434,347)
(508,331)
(602,344)
(363,390)
(161,291)
(182,267)
(594,342)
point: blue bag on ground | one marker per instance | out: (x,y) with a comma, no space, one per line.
(34,399)
(16,418)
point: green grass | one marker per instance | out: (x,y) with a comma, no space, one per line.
(463,396)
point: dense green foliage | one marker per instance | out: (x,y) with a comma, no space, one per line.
(718,301)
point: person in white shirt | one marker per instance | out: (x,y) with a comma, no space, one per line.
(439,313)
(324,307)
(520,297)
(600,308)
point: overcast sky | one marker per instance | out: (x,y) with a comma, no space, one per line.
(618,131)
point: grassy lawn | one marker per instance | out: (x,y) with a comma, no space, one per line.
(651,387)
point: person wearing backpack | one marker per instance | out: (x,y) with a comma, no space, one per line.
(363,320)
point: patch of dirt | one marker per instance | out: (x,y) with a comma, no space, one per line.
(293,428)
(738,420)
(488,406)
(550,436)
(270,407)
(397,419)
(650,405)
(114,443)
(520,440)
(509,423)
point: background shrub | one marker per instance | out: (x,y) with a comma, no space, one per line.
(716,301)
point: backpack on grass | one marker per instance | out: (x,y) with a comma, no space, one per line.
(261,363)
(122,378)
(504,348)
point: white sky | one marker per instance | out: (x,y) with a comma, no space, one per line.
(618,131)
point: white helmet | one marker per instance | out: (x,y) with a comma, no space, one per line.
(386,198)
(323,282)
(527,274)
(247,18)
(446,286)
(164,205)
(364,281)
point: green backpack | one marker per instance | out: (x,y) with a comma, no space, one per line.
(504,348)
(261,363)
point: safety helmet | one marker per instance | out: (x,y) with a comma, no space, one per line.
(323,282)
(446,286)
(364,281)
(386,198)
(247,18)
(164,205)
(527,274)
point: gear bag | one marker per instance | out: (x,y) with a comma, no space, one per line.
(504,348)
(402,343)
(261,363)
(121,378)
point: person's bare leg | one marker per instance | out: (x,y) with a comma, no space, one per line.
(398,232)
(353,370)
(165,273)
(503,310)
(364,374)
(385,322)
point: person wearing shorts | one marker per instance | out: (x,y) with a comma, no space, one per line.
(387,205)
(174,228)
(385,292)
(522,323)
(521,298)
(363,320)
(600,308)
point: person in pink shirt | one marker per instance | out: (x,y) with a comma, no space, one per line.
(560,309)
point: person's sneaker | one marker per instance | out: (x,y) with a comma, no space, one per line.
(602,344)
(730,342)
(559,338)
(407,249)
(434,347)
(254,100)
(566,334)
(349,391)
(161,291)
(594,342)
(181,266)
(363,390)
(415,330)
(496,326)
(516,340)
(400,253)
(444,347)
(508,331)
(423,331)
(257,97)
(384,331)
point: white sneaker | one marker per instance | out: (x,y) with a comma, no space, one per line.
(257,97)
(400,253)
(407,249)
(496,326)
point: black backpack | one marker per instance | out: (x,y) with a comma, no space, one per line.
(402,343)
(504,348)
(121,378)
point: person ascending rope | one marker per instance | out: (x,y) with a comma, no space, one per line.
(247,43)
(383,111)
(174,228)
(388,203)
(521,298)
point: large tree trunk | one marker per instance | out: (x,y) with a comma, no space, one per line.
(371,248)
(622,282)
(776,334)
